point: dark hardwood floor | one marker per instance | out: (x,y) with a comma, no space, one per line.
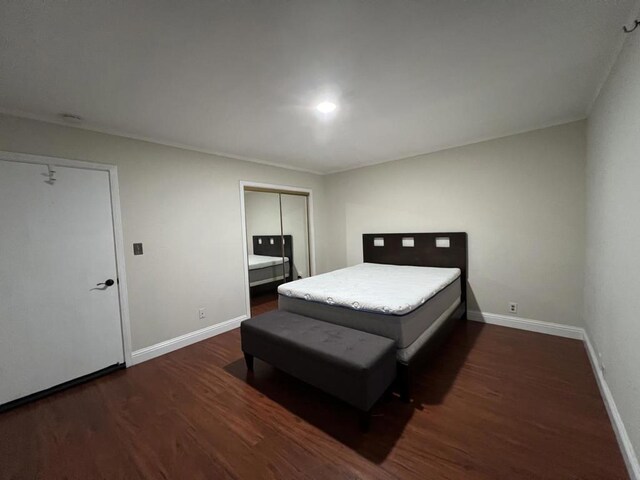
(495,404)
(264,303)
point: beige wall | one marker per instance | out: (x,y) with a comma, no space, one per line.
(185,207)
(612,279)
(520,198)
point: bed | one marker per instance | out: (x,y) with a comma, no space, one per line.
(264,269)
(271,263)
(411,288)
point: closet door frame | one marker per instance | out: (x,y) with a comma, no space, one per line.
(116,215)
(286,189)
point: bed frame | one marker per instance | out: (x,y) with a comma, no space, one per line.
(388,248)
(262,246)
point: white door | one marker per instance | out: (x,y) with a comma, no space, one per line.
(56,246)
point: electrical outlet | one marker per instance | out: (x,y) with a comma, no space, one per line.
(201,314)
(513,307)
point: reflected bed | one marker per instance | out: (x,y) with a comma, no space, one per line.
(266,269)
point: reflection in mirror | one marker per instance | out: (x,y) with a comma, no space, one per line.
(277,228)
(268,268)
(295,223)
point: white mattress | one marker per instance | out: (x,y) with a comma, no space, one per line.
(373,287)
(261,261)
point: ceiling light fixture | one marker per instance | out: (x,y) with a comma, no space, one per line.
(326,107)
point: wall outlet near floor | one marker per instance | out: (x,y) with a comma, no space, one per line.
(201,314)
(513,307)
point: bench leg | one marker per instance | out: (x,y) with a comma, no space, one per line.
(404,382)
(249,361)
(365,420)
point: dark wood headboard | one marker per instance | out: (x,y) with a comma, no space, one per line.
(424,253)
(275,249)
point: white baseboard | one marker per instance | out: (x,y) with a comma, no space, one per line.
(167,346)
(628,453)
(548,328)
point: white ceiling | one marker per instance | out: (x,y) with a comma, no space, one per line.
(241,77)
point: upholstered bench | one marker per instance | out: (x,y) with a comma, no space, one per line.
(355,366)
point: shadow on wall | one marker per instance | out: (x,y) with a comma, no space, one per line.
(431,385)
(472,301)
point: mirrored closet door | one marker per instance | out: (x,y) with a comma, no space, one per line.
(295,224)
(278,249)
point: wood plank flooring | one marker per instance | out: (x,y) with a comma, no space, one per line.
(264,303)
(495,404)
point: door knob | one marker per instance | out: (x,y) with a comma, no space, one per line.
(106,283)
